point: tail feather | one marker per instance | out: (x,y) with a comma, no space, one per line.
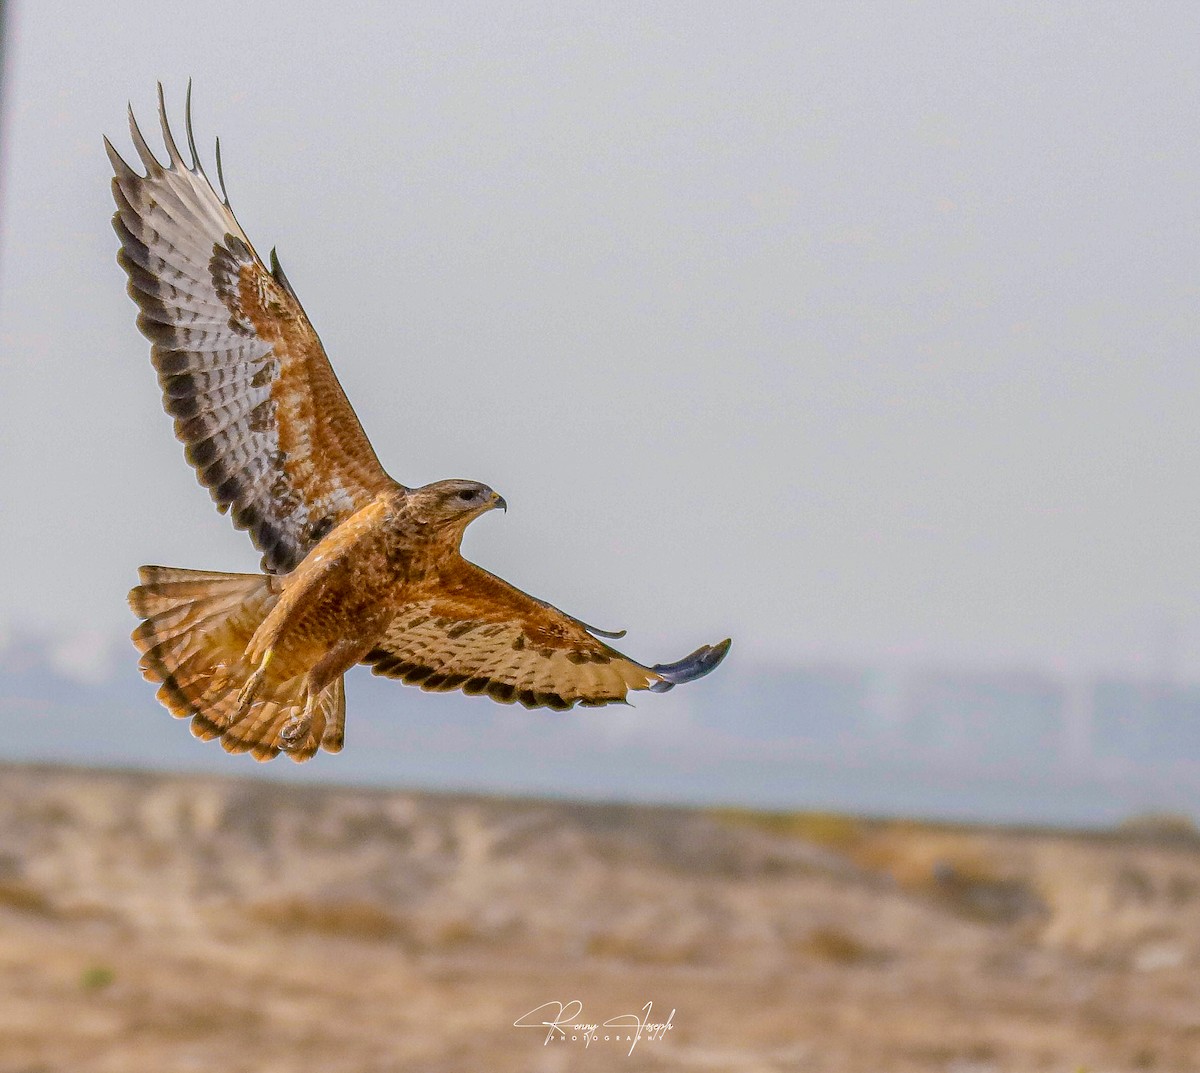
(166,588)
(261,732)
(332,709)
(174,620)
(197,625)
(258,730)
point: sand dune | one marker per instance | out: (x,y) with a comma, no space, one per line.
(164,923)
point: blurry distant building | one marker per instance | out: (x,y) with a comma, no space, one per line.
(818,703)
(1005,718)
(832,703)
(1145,721)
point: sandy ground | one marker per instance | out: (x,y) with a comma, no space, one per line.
(166,924)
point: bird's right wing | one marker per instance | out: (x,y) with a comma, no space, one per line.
(477,633)
(257,406)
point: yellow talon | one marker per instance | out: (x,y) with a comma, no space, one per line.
(250,689)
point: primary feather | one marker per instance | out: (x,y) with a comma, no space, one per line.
(257,406)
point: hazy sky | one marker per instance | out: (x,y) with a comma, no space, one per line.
(862,331)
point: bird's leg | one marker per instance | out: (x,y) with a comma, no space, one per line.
(340,658)
(294,732)
(253,684)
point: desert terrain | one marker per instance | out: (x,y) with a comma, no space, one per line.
(157,923)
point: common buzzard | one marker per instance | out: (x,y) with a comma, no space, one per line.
(357,568)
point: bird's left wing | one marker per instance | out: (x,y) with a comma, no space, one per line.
(479,634)
(257,406)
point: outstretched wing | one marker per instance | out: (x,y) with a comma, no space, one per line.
(256,404)
(481,635)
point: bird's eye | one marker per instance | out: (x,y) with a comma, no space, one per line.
(466,496)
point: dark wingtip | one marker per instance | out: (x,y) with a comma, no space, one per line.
(168,137)
(191,138)
(280,276)
(120,168)
(615,635)
(221,175)
(697,665)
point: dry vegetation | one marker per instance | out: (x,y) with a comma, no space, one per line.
(164,924)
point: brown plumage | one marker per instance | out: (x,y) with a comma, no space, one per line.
(358,568)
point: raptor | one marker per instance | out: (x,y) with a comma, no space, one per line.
(356,567)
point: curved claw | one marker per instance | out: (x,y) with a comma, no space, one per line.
(688,669)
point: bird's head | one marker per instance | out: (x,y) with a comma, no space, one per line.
(453,504)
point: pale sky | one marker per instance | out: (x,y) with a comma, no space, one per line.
(865,331)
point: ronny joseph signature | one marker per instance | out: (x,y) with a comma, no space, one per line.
(628,1028)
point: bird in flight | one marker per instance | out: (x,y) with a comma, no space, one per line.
(356,567)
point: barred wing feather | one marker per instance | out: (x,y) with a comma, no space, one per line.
(479,634)
(256,404)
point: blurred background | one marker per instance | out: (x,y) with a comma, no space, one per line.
(862,333)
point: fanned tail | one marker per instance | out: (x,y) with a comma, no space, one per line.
(196,626)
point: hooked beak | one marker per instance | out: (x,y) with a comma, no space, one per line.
(498,502)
